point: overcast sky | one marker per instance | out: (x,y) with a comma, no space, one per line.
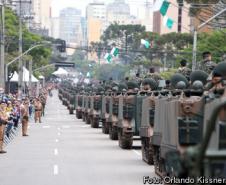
(136,6)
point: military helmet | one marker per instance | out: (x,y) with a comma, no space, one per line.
(220,69)
(113,84)
(197,85)
(181,85)
(199,75)
(107,87)
(149,81)
(87,89)
(100,89)
(132,85)
(177,78)
(122,87)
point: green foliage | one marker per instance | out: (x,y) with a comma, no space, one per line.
(116,32)
(81,64)
(137,54)
(106,71)
(102,72)
(215,42)
(168,74)
(40,56)
(45,72)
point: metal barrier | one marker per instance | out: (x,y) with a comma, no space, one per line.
(12,134)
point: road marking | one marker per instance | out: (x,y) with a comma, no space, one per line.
(46,126)
(29,127)
(85,126)
(57,140)
(58,134)
(55,169)
(66,126)
(55,151)
(58,128)
(136,152)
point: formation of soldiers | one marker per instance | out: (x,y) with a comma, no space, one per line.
(14,112)
(181,124)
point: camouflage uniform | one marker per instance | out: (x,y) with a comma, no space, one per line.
(137,80)
(154,76)
(185,71)
(207,66)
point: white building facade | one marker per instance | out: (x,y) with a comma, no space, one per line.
(70,25)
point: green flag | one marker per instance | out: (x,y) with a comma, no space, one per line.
(115,52)
(88,74)
(164,7)
(168,22)
(145,43)
(108,57)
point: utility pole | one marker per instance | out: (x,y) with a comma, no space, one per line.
(126,44)
(99,54)
(20,81)
(30,77)
(180,7)
(2,40)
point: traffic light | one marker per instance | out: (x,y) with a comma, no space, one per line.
(61,45)
(64,64)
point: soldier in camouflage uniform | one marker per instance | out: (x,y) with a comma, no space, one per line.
(137,79)
(207,65)
(152,74)
(217,80)
(183,69)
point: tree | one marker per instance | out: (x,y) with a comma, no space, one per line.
(106,71)
(215,42)
(40,56)
(121,35)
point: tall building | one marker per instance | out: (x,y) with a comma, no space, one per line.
(22,8)
(158,23)
(96,10)
(55,27)
(96,20)
(118,12)
(70,25)
(148,19)
(42,15)
(84,31)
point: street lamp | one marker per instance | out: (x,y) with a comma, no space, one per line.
(195,35)
(20,56)
(2,43)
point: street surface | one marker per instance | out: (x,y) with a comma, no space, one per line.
(65,151)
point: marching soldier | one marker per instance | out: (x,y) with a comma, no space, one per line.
(183,69)
(207,65)
(3,123)
(43,98)
(38,110)
(149,84)
(218,75)
(25,116)
(152,74)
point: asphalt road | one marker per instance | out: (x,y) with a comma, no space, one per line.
(65,151)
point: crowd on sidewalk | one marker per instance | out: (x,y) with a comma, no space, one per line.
(16,113)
